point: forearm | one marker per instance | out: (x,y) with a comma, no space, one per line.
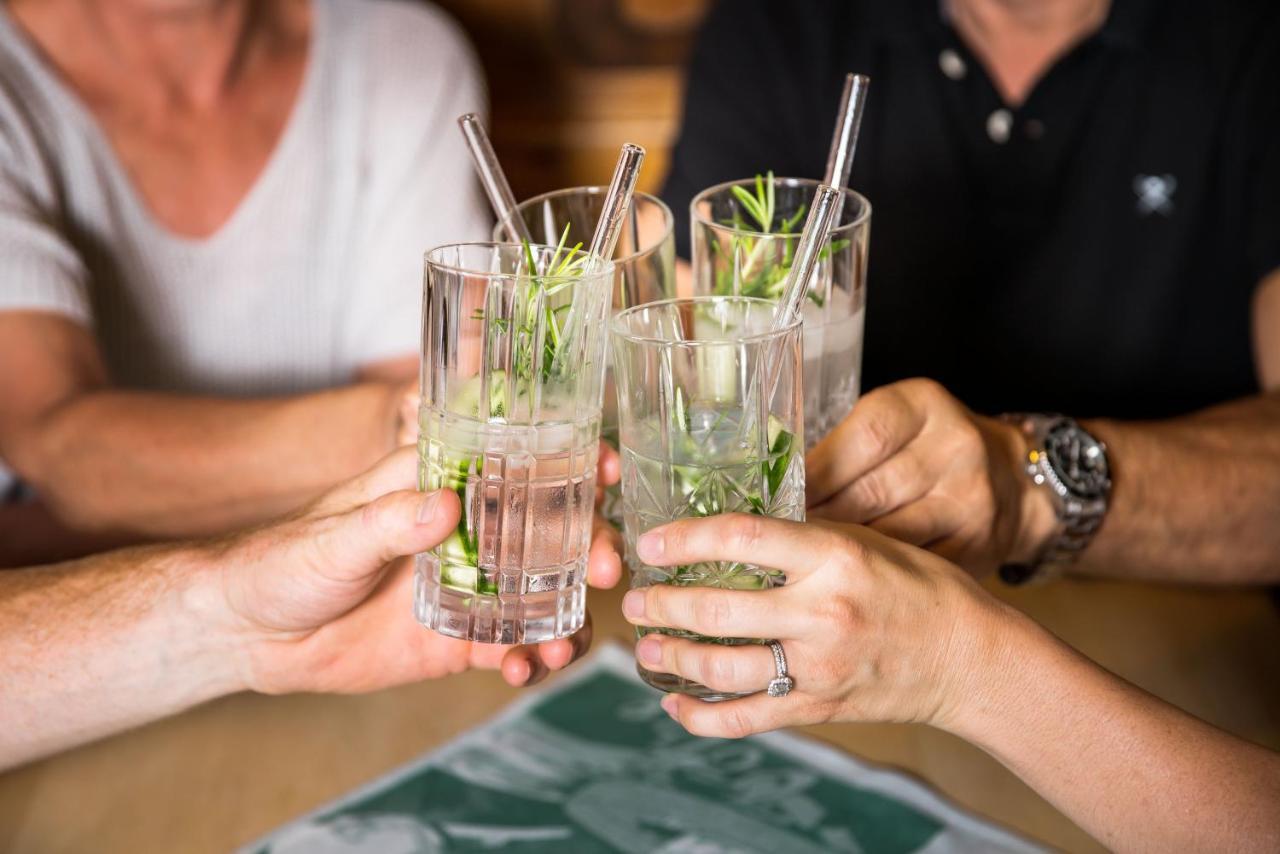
(30,535)
(101,645)
(167,466)
(1194,498)
(1133,771)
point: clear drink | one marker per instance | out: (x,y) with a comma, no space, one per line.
(710,471)
(644,269)
(832,368)
(512,373)
(711,422)
(745,235)
(514,571)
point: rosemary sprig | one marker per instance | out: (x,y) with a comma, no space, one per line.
(753,277)
(533,317)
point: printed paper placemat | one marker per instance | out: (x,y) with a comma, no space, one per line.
(592,764)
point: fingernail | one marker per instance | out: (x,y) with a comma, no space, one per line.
(427,509)
(633,605)
(669,705)
(650,546)
(649,650)
(525,672)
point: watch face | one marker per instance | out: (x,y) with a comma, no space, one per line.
(1078,459)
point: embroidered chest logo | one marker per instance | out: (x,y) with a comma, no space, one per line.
(1155,193)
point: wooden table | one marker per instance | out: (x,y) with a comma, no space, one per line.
(231,770)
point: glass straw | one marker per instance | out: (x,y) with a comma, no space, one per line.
(822,215)
(492,178)
(822,212)
(617,202)
(848,122)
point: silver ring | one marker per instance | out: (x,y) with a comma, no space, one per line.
(780,685)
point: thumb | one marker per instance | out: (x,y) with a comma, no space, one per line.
(357,544)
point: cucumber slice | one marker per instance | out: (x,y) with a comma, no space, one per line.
(467,580)
(455,550)
(466,399)
(458,577)
(780,447)
(452,475)
(777,431)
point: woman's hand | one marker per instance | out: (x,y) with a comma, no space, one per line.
(873,629)
(323,601)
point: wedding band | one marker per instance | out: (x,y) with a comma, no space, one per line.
(780,685)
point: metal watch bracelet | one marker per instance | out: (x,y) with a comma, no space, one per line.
(1080,504)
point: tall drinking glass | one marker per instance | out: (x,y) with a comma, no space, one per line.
(644,266)
(513,350)
(744,239)
(712,421)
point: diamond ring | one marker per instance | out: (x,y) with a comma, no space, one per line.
(780,685)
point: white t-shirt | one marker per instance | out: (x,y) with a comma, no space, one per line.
(319,269)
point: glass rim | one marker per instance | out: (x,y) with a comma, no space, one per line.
(617,323)
(599,190)
(860,220)
(429,261)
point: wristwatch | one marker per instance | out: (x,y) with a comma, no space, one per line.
(1072,465)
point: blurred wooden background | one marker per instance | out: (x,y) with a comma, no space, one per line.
(571,80)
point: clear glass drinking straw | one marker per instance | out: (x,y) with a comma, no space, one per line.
(822,214)
(617,201)
(492,178)
(848,123)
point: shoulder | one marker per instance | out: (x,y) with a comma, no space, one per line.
(1221,37)
(32,125)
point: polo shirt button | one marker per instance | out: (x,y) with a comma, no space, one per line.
(1034,128)
(999,123)
(951,64)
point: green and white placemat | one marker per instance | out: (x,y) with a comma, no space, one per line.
(592,764)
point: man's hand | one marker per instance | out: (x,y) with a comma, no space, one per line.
(322,602)
(912,462)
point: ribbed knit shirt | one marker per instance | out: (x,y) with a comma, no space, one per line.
(318,270)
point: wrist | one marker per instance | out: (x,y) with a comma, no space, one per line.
(1037,520)
(219,647)
(990,671)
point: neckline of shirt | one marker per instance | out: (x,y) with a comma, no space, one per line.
(1126,21)
(1126,24)
(136,207)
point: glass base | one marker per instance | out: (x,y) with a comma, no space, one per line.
(671,684)
(503,618)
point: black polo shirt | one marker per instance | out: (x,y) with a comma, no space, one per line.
(1093,251)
